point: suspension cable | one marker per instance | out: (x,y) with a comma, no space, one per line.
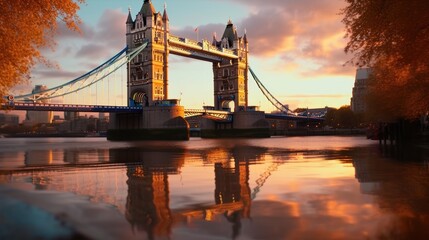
(82,82)
(273,100)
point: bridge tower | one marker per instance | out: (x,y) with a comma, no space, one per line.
(231,75)
(147,83)
(148,73)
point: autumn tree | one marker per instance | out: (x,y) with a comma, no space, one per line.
(342,118)
(391,37)
(25,28)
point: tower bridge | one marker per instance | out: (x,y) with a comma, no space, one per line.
(149,113)
(148,79)
(148,72)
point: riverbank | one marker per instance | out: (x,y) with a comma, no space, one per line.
(319,132)
(52,135)
(197,133)
(305,132)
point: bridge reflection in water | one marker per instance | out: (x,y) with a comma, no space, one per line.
(148,199)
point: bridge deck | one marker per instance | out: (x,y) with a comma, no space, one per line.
(68,107)
(199,50)
(218,115)
(293,117)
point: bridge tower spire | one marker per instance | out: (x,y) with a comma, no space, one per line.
(148,72)
(230,75)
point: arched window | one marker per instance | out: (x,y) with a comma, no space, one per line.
(226,72)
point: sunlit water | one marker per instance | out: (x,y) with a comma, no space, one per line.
(277,188)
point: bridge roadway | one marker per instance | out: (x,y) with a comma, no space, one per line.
(221,116)
(203,50)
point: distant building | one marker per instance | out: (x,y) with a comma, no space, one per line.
(360,90)
(37,117)
(9,119)
(70,116)
(83,124)
(57,119)
(102,116)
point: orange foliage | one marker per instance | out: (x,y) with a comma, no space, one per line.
(398,92)
(25,27)
(392,37)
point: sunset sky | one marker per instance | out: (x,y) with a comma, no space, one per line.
(296,48)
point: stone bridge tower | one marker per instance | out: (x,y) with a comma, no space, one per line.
(230,76)
(148,72)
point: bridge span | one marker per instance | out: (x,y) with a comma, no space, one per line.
(216,115)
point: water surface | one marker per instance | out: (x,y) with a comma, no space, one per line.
(277,188)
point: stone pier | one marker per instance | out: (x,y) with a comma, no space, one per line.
(158,122)
(245,124)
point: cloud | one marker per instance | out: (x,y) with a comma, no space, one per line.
(307,31)
(300,33)
(93,43)
(111,29)
(91,51)
(78,53)
(63,33)
(21,89)
(55,74)
(271,31)
(107,39)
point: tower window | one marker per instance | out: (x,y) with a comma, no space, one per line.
(226,72)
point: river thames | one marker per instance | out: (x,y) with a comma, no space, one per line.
(276,188)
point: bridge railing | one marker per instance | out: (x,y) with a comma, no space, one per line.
(34,106)
(214,114)
(206,111)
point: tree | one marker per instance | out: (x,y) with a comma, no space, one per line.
(25,28)
(391,37)
(341,118)
(345,118)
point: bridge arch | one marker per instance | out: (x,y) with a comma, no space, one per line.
(139,98)
(227,103)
